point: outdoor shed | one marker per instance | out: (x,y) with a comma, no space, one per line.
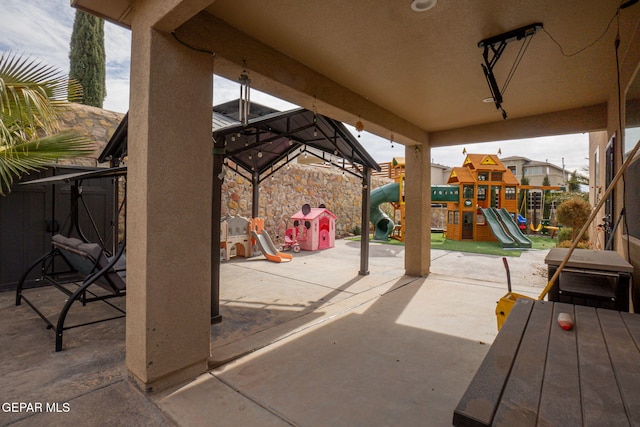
(314,228)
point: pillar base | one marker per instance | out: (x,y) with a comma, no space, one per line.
(170,380)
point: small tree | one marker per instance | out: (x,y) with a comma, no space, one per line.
(546,181)
(574,213)
(576,180)
(87,58)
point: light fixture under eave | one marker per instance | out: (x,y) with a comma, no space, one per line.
(422,5)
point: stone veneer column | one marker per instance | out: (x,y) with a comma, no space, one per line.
(417,196)
(169,210)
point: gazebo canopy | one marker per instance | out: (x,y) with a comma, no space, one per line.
(272,138)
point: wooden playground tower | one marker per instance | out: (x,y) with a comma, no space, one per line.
(489,194)
(440,194)
(481,186)
(396,172)
(484,182)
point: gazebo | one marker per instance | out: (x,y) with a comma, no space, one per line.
(267,142)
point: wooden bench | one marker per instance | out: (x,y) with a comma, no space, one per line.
(89,265)
(536,373)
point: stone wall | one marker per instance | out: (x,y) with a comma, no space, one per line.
(97,124)
(284,193)
(281,195)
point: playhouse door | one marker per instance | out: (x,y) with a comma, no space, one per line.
(324,234)
(467,225)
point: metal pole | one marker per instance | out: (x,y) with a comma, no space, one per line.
(255,200)
(216,213)
(364,227)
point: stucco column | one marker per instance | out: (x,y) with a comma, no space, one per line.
(417,197)
(169,210)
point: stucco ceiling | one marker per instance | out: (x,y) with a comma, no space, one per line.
(424,68)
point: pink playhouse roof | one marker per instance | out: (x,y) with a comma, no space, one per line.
(313,214)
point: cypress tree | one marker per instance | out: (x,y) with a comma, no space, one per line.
(87,58)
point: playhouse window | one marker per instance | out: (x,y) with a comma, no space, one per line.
(510,193)
(482,192)
(496,176)
(467,191)
(454,217)
(483,176)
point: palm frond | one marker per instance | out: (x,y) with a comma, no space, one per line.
(33,93)
(33,155)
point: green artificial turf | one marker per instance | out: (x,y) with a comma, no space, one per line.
(438,241)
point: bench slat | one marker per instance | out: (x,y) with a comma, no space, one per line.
(478,405)
(625,357)
(521,397)
(560,396)
(601,402)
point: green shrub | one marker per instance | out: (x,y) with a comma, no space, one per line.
(583,244)
(565,233)
(573,213)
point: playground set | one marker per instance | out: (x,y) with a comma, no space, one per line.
(481,198)
(246,237)
(313,229)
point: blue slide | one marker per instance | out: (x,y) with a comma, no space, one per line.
(382,224)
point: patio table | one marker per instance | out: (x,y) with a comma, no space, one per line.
(536,373)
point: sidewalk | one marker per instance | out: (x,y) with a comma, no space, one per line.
(307,343)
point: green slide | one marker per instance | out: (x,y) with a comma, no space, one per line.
(382,224)
(505,229)
(496,227)
(512,228)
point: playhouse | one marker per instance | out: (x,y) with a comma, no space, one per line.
(235,236)
(486,187)
(314,228)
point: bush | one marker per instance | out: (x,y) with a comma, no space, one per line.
(573,213)
(565,234)
(583,244)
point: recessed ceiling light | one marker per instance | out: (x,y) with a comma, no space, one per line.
(422,5)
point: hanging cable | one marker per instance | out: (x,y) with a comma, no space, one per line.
(197,49)
(516,63)
(600,37)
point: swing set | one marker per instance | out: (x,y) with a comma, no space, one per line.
(537,200)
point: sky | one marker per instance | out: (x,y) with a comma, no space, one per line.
(42,29)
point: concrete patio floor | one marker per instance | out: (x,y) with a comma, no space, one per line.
(305,343)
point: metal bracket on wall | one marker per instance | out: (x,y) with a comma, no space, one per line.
(495,45)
